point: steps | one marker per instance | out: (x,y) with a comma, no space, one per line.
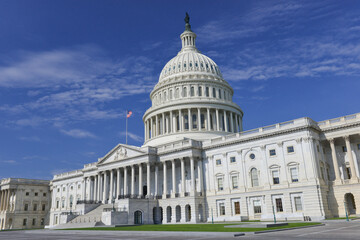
(90,219)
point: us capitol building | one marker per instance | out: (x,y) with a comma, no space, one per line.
(198,165)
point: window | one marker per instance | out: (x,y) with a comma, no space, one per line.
(279,205)
(294,174)
(192,91)
(298,204)
(194,120)
(272,152)
(56,219)
(220,184)
(57,204)
(275,175)
(219,93)
(63,203)
(254,177)
(344,149)
(35,207)
(348,172)
(24,222)
(214,92)
(36,194)
(290,149)
(27,193)
(43,207)
(34,221)
(257,206)
(237,207)
(26,207)
(171,94)
(358,146)
(222,209)
(42,222)
(200,91)
(44,194)
(218,162)
(234,180)
(207,94)
(318,148)
(186,122)
(232,159)
(63,189)
(58,190)
(252,156)
(184,92)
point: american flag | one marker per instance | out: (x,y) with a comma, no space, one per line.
(128,114)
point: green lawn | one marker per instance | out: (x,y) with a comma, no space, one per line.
(340,218)
(193,227)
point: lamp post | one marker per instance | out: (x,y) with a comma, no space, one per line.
(71,207)
(346,213)
(212,216)
(113,203)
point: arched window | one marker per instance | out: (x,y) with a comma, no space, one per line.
(254,177)
(186,118)
(200,91)
(202,121)
(214,92)
(192,91)
(207,91)
(177,93)
(219,93)
(194,120)
(171,94)
(184,93)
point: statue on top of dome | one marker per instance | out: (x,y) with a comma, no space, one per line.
(187,22)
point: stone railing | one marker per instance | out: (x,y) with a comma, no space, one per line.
(71,213)
(68,174)
(23,181)
(90,166)
(179,144)
(259,131)
(339,121)
(137,196)
(87,202)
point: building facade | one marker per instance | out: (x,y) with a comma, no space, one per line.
(24,203)
(198,165)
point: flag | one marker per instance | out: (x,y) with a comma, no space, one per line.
(128,114)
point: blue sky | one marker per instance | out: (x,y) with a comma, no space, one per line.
(70,69)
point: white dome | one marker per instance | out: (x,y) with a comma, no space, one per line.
(189,62)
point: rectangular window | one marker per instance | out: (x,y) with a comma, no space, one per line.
(344,149)
(234,180)
(42,222)
(294,174)
(220,184)
(207,91)
(298,204)
(275,175)
(26,207)
(214,92)
(200,91)
(232,159)
(290,149)
(44,194)
(63,203)
(358,146)
(222,209)
(34,221)
(57,204)
(192,91)
(63,189)
(219,93)
(43,207)
(27,193)
(272,152)
(36,194)
(218,162)
(257,206)
(279,205)
(58,190)
(35,207)
(237,207)
(24,222)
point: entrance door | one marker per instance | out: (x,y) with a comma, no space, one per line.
(145,190)
(138,217)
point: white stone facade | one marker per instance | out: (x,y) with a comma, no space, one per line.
(198,165)
(24,203)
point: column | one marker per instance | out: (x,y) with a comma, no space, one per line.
(163,124)
(192,173)
(118,177)
(111,185)
(334,158)
(132,180)
(84,189)
(140,180)
(171,125)
(180,121)
(125,181)
(156,180)
(95,188)
(199,119)
(231,123)
(105,188)
(200,176)
(183,177)
(145,130)
(148,184)
(189,119)
(156,125)
(173,177)
(217,120)
(1,200)
(98,187)
(208,120)
(237,123)
(152,128)
(351,158)
(4,200)
(165,181)
(226,122)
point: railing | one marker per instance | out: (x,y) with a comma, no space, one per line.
(112,210)
(177,194)
(168,195)
(187,194)
(87,202)
(137,196)
(339,120)
(70,213)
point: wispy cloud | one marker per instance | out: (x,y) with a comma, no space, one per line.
(9,161)
(30,138)
(132,136)
(78,133)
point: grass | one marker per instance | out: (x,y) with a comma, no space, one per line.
(341,218)
(193,227)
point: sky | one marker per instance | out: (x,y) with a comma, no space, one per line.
(69,70)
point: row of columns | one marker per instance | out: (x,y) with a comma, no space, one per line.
(102,188)
(335,160)
(5,199)
(174,121)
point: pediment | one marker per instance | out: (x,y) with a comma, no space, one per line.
(121,152)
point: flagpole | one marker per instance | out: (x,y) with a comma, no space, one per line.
(126,125)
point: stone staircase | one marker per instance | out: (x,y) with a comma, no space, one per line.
(90,219)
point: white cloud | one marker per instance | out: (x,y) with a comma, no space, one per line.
(78,133)
(9,161)
(132,136)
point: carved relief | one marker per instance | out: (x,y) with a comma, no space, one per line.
(121,153)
